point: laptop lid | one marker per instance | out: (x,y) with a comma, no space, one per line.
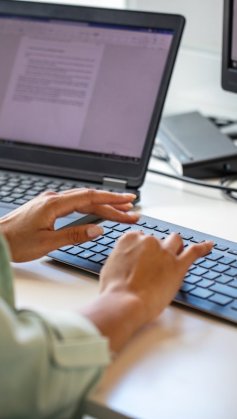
(82,89)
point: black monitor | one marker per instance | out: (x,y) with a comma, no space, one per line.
(229,50)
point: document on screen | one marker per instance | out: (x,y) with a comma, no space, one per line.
(54,78)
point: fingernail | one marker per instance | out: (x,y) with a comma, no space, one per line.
(130,195)
(94,231)
(133,214)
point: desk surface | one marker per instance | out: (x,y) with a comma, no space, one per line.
(184,364)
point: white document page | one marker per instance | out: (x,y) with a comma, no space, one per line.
(54,78)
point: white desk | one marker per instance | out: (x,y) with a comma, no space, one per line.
(182,366)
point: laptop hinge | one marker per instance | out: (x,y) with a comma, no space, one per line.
(110,182)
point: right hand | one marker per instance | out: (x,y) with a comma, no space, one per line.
(151,270)
(140,278)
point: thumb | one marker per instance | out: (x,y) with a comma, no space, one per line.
(76,234)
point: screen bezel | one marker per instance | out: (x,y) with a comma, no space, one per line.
(229,74)
(80,165)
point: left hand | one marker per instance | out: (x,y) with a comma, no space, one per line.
(30,231)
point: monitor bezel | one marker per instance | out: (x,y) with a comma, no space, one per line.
(229,75)
(78,165)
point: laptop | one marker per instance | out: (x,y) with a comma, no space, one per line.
(81,95)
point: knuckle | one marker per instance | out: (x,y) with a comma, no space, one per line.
(151,241)
(74,235)
(51,199)
(48,193)
(91,193)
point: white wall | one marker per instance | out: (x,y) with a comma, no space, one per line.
(196,82)
(204,20)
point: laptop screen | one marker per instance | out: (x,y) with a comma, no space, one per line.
(79,86)
(234,36)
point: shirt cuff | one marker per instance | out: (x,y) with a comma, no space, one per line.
(76,342)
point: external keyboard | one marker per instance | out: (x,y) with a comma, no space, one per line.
(210,284)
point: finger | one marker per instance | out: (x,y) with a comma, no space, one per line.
(74,235)
(173,243)
(96,196)
(86,201)
(124,207)
(132,237)
(110,213)
(191,253)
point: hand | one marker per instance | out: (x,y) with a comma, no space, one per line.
(140,278)
(30,232)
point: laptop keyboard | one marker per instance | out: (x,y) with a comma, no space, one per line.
(210,284)
(19,188)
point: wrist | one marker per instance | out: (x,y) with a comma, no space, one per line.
(117,315)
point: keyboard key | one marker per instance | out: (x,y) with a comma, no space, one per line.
(207,264)
(97,258)
(87,245)
(140,222)
(192,279)
(65,248)
(109,224)
(205,283)
(113,244)
(201,293)
(223,279)
(74,251)
(187,287)
(220,268)
(6,199)
(233,252)
(107,252)
(20,201)
(122,227)
(27,197)
(226,260)
(2,193)
(199,261)
(231,272)
(99,248)
(234,305)
(114,235)
(186,236)
(221,248)
(234,264)
(97,239)
(105,241)
(225,289)
(233,283)
(106,230)
(213,256)
(86,254)
(16,195)
(211,275)
(199,271)
(162,229)
(151,226)
(220,299)
(32,193)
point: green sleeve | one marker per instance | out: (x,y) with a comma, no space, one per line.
(47,361)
